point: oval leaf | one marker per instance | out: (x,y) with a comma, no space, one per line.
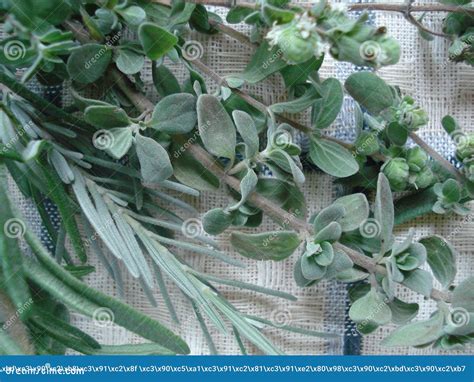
(441,258)
(370,91)
(155,40)
(276,246)
(215,127)
(175,114)
(332,158)
(89,62)
(155,165)
(326,109)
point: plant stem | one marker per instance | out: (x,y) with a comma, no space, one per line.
(437,157)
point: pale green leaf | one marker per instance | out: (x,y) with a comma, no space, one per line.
(332,158)
(216,128)
(276,246)
(441,258)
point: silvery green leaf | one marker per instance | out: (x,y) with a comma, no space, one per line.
(155,165)
(356,209)
(264,62)
(61,166)
(300,280)
(326,109)
(191,172)
(417,333)
(33,149)
(397,275)
(129,61)
(88,62)
(287,164)
(403,246)
(216,221)
(168,263)
(370,91)
(175,114)
(340,264)
(104,117)
(310,269)
(247,186)
(133,15)
(243,326)
(402,312)
(328,215)
(384,212)
(247,130)
(216,128)
(351,275)
(332,158)
(371,308)
(134,248)
(121,139)
(326,256)
(276,246)
(332,232)
(297,105)
(441,259)
(419,281)
(463,295)
(285,194)
(149,35)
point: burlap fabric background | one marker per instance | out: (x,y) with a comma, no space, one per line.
(423,72)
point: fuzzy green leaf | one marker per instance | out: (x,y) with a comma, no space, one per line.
(216,221)
(155,165)
(175,114)
(441,258)
(216,128)
(326,109)
(371,308)
(155,40)
(276,246)
(104,117)
(88,63)
(384,212)
(356,209)
(417,333)
(332,158)
(370,91)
